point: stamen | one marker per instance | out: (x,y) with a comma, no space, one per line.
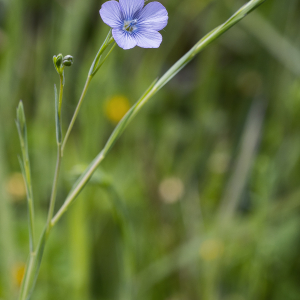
(129,26)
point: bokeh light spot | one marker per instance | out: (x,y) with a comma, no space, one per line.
(15,187)
(171,189)
(116,107)
(18,273)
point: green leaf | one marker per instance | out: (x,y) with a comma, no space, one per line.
(152,90)
(99,177)
(94,67)
(21,118)
(33,267)
(25,168)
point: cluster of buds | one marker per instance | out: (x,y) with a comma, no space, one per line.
(61,62)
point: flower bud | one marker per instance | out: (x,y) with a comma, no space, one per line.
(59,59)
(68,60)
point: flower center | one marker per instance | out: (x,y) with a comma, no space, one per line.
(130,26)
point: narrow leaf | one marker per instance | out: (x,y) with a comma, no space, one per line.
(152,90)
(25,168)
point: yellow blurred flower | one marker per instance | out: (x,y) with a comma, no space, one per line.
(15,186)
(116,107)
(211,249)
(18,273)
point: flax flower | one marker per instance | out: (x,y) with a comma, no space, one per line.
(133,24)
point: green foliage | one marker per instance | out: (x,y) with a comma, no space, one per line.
(199,199)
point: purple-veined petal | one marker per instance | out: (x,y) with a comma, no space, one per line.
(131,7)
(124,39)
(148,38)
(111,13)
(153,16)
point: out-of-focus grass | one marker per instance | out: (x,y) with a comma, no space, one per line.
(204,196)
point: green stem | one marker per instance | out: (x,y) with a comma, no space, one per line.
(58,160)
(61,89)
(30,202)
(33,265)
(152,90)
(54,187)
(87,83)
(36,256)
(93,70)
(26,280)
(32,268)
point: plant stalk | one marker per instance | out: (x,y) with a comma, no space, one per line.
(152,90)
(33,265)
(87,83)
(93,70)
(35,257)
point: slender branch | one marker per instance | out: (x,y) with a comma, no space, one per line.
(87,83)
(59,156)
(30,199)
(104,59)
(26,280)
(93,70)
(152,90)
(54,187)
(36,256)
(32,267)
(61,90)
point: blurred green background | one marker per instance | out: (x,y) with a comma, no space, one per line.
(200,197)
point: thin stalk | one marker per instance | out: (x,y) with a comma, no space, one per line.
(33,264)
(32,267)
(152,90)
(93,70)
(26,280)
(59,156)
(36,256)
(104,59)
(87,83)
(54,187)
(61,90)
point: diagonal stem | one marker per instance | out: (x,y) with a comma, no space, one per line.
(152,90)
(87,83)
(93,70)
(36,253)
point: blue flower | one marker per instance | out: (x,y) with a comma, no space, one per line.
(133,24)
